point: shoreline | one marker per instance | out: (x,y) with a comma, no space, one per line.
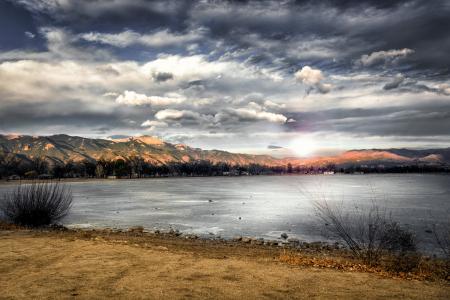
(134,264)
(87,179)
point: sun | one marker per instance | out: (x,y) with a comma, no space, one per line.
(303,146)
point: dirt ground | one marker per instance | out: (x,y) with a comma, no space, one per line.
(60,265)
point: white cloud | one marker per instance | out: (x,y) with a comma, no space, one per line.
(313,78)
(155,123)
(249,114)
(110,94)
(128,38)
(384,57)
(309,75)
(197,67)
(133,98)
(30,35)
(174,114)
(444,89)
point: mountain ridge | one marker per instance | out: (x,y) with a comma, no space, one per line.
(61,148)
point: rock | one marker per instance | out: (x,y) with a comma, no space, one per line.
(240,218)
(293,242)
(136,229)
(259,241)
(269,243)
(210,201)
(284,235)
(237,238)
(175,232)
(246,240)
(191,236)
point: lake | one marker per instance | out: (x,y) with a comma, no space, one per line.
(257,206)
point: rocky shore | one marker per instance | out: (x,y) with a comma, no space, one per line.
(284,242)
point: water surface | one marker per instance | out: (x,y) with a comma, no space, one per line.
(259,206)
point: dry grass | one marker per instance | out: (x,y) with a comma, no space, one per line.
(105,264)
(427,269)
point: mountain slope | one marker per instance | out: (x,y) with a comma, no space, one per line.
(63,148)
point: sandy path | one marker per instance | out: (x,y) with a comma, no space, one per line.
(37,266)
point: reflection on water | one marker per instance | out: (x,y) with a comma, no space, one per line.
(262,206)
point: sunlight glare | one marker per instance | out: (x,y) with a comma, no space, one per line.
(303,146)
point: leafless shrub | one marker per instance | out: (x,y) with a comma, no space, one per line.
(359,230)
(36,204)
(369,234)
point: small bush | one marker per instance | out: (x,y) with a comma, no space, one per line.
(36,204)
(369,235)
(401,247)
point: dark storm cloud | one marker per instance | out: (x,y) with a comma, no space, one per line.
(41,116)
(162,76)
(106,15)
(226,65)
(353,29)
(395,83)
(419,120)
(285,34)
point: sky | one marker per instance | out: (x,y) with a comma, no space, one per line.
(278,77)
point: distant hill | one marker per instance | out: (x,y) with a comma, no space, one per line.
(63,148)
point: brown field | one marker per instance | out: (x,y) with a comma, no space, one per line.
(100,265)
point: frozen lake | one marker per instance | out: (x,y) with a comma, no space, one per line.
(258,206)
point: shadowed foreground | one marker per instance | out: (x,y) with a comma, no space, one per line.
(48,265)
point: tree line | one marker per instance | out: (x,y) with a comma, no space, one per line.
(136,167)
(133,167)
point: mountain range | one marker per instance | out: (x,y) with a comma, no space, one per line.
(57,149)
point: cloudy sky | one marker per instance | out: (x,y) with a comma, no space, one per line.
(252,76)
